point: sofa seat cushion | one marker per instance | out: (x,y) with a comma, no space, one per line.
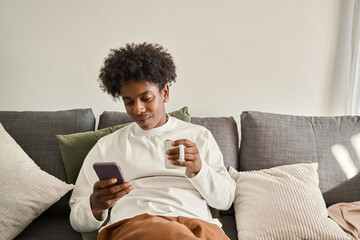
(283,202)
(269,140)
(60,229)
(229,226)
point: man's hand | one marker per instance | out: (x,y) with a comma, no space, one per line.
(104,196)
(191,155)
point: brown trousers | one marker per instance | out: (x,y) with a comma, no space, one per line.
(149,227)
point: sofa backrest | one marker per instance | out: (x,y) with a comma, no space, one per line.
(224,130)
(35,133)
(269,140)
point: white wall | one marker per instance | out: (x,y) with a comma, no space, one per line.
(265,55)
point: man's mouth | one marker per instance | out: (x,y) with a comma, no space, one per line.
(142,120)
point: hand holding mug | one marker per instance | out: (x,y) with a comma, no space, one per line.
(183,153)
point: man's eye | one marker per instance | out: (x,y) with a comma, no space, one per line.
(128,103)
(147,99)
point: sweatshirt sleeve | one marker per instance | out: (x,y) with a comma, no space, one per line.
(81,217)
(213,180)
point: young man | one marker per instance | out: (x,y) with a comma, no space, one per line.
(156,202)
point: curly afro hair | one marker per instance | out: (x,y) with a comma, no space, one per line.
(136,62)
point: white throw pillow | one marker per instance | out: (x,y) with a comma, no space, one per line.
(25,190)
(283,202)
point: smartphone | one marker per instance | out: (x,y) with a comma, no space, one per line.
(106,170)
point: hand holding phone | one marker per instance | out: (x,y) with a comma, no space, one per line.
(105,194)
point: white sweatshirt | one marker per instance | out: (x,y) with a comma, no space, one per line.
(157,190)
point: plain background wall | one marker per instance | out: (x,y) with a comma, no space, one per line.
(265,55)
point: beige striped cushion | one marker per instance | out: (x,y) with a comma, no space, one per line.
(25,190)
(283,202)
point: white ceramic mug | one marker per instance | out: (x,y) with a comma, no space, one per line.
(168,146)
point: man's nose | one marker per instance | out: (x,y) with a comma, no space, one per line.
(139,108)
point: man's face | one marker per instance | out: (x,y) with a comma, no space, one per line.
(145,103)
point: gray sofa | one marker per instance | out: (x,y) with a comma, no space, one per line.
(267,140)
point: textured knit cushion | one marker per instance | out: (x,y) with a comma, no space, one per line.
(25,190)
(269,140)
(284,202)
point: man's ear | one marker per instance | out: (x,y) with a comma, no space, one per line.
(165,93)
